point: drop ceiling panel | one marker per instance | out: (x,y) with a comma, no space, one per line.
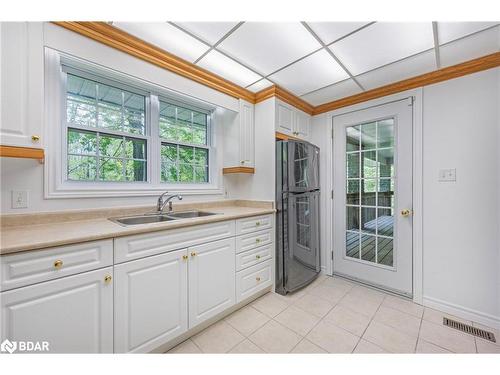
(167,37)
(315,71)
(383,43)
(471,47)
(211,32)
(448,31)
(217,63)
(268,46)
(332,31)
(337,91)
(260,85)
(407,68)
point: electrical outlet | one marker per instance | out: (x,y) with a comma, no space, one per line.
(19,199)
(448,175)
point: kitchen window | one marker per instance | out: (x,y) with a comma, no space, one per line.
(123,136)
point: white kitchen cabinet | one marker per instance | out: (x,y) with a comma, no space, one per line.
(211,279)
(239,137)
(73,314)
(21,84)
(151,301)
(292,121)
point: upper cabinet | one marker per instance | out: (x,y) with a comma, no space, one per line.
(21,84)
(292,121)
(239,150)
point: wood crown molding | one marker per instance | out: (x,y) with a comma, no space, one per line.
(22,152)
(455,71)
(125,42)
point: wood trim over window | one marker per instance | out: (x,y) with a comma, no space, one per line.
(231,170)
(455,71)
(123,41)
(22,152)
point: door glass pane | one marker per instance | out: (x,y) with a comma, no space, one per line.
(370,188)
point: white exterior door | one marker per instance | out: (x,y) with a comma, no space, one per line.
(372,184)
(211,279)
(73,314)
(150,301)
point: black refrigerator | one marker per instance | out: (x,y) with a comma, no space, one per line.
(297,218)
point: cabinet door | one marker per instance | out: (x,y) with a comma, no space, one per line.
(150,301)
(301,124)
(247,134)
(284,119)
(211,279)
(73,314)
(21,87)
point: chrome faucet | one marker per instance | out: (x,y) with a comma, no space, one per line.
(162,203)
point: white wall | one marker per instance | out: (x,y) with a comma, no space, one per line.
(461,220)
(16,174)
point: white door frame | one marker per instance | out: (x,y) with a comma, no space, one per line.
(417,181)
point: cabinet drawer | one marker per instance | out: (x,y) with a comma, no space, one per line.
(253,280)
(42,265)
(254,256)
(253,240)
(142,245)
(253,224)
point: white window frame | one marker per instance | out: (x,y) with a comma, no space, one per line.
(56,183)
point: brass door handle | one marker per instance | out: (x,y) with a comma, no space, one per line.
(58,263)
(107,279)
(406,212)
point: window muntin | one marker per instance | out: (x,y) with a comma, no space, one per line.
(183,125)
(98,117)
(185,164)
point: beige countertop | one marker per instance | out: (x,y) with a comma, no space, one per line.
(36,231)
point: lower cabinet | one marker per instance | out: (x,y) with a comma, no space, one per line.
(211,279)
(73,314)
(151,301)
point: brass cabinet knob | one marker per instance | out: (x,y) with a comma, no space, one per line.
(193,254)
(257,240)
(405,212)
(35,138)
(107,279)
(257,279)
(58,263)
(185,257)
(257,256)
(257,223)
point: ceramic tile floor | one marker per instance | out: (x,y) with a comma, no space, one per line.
(333,315)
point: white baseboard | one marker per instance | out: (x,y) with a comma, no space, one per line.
(462,312)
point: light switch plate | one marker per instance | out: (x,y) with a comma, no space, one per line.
(448,175)
(19,199)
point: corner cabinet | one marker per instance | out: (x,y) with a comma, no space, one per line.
(21,54)
(239,138)
(292,121)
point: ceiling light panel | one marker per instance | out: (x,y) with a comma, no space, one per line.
(268,46)
(225,67)
(330,93)
(166,37)
(383,43)
(407,68)
(331,31)
(211,32)
(315,71)
(471,47)
(448,31)
(260,85)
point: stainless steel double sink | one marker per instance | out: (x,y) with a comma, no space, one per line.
(158,218)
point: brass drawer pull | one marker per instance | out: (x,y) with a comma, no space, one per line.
(58,263)
(107,279)
(185,257)
(35,138)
